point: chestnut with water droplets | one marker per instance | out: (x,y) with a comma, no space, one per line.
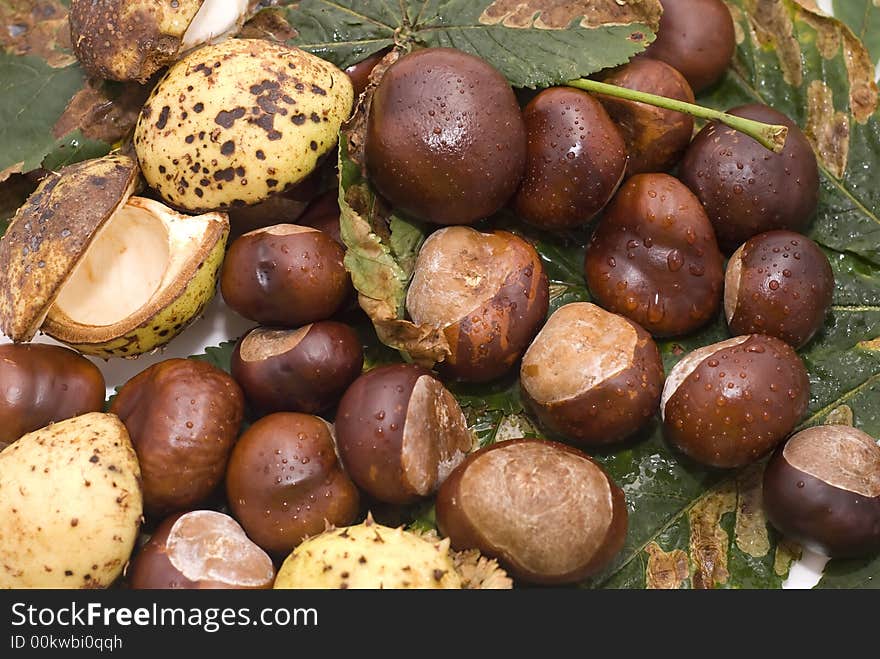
(400,432)
(746,188)
(727,405)
(822,489)
(655,138)
(576,160)
(545,510)
(284,482)
(697,37)
(780,284)
(592,376)
(654,259)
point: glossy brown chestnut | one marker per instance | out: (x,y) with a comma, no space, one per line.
(655,138)
(400,432)
(780,284)
(302,370)
(284,482)
(360,72)
(576,159)
(285,275)
(653,258)
(487,291)
(183,416)
(282,208)
(546,511)
(446,142)
(747,189)
(41,384)
(728,404)
(696,37)
(822,489)
(199,550)
(592,376)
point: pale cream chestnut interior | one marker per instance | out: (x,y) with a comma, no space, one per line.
(215,19)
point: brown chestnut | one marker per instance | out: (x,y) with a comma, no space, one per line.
(592,376)
(41,384)
(653,258)
(202,549)
(489,294)
(729,404)
(302,370)
(576,159)
(183,416)
(655,138)
(697,37)
(284,482)
(400,432)
(780,284)
(281,208)
(546,511)
(747,189)
(822,489)
(360,72)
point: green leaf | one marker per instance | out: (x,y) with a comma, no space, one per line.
(562,40)
(863,17)
(219,356)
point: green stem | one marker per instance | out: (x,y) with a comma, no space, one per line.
(770,136)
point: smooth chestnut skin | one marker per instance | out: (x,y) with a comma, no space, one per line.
(780,284)
(822,489)
(576,160)
(400,432)
(284,482)
(747,189)
(655,138)
(729,404)
(546,511)
(360,73)
(302,370)
(285,276)
(592,376)
(183,417)
(41,384)
(446,142)
(200,550)
(283,208)
(487,291)
(697,38)
(654,259)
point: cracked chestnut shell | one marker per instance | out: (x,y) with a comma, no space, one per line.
(400,432)
(822,489)
(655,138)
(545,510)
(445,142)
(696,37)
(576,159)
(183,416)
(489,294)
(746,188)
(302,370)
(780,284)
(592,376)
(284,482)
(729,404)
(653,258)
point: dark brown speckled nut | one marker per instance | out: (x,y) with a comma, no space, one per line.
(780,284)
(655,138)
(489,294)
(400,432)
(285,276)
(728,404)
(302,370)
(592,376)
(747,189)
(576,159)
(822,489)
(653,258)
(284,482)
(445,138)
(546,511)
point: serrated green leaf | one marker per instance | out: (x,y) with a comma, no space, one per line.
(73,148)
(219,356)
